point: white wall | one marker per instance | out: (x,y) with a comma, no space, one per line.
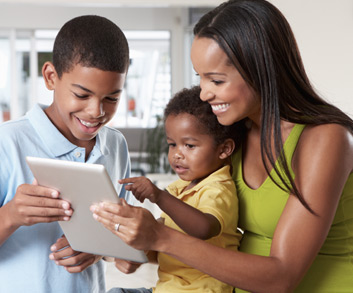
(324,31)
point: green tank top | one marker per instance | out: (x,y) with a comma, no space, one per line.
(260,210)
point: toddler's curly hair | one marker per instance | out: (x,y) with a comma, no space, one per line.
(188,101)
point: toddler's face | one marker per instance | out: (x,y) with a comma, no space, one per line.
(192,154)
(85,99)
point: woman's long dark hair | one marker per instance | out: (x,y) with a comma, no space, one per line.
(260,43)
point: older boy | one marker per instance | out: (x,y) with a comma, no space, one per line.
(87,75)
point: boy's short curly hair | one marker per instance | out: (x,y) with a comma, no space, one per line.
(188,101)
(91,41)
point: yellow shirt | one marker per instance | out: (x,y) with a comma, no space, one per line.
(215,195)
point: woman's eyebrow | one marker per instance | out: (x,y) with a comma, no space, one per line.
(214,73)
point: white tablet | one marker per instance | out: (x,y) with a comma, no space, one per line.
(82,185)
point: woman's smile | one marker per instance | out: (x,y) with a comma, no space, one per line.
(219,108)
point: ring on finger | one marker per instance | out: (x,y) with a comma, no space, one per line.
(116,227)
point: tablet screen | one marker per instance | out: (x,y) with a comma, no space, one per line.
(82,185)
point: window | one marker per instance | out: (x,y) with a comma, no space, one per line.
(148,84)
(5,92)
(146,92)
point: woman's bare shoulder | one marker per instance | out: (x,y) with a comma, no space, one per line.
(333,133)
(326,141)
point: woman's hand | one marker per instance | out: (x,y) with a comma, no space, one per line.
(138,228)
(73,261)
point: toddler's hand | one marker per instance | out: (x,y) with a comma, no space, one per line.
(142,188)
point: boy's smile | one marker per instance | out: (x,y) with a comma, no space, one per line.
(85,99)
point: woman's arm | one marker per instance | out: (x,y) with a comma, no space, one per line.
(322,164)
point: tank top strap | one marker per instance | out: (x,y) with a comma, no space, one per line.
(291,142)
(289,147)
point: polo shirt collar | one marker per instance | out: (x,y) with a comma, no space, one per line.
(178,186)
(57,143)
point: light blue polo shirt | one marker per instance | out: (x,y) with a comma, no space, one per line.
(24,256)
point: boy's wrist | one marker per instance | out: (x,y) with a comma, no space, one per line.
(7,223)
(7,219)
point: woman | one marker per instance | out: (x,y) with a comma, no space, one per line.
(293,172)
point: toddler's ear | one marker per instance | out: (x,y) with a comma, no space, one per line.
(49,75)
(227,148)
